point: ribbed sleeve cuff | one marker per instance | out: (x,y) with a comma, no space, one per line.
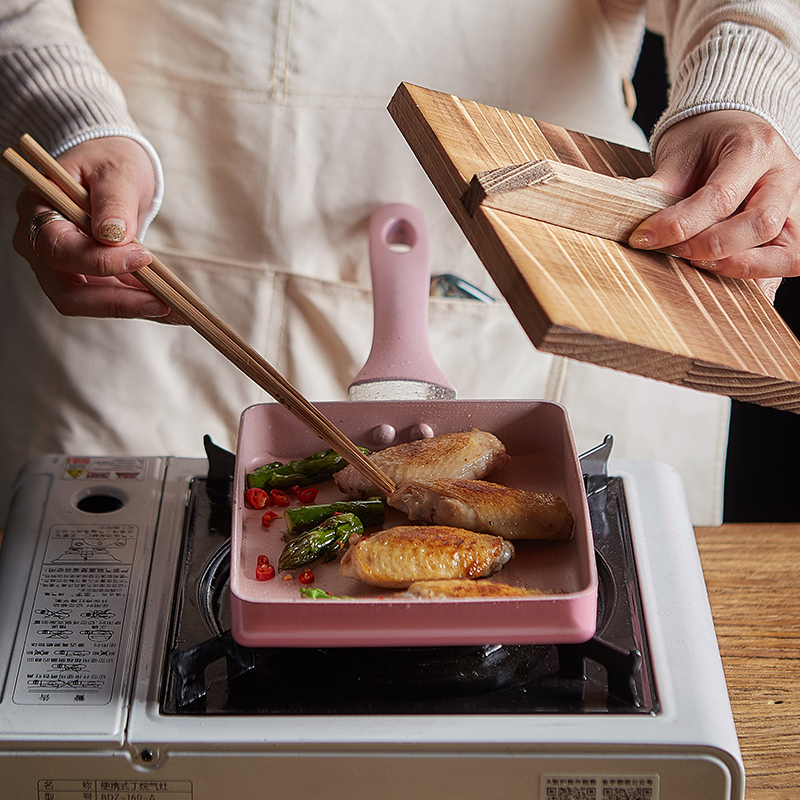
(738,68)
(62,95)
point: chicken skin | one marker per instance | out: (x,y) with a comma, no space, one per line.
(467,454)
(462,588)
(397,557)
(485,507)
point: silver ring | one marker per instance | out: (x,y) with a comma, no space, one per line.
(38,222)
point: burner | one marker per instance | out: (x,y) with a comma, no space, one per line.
(209,673)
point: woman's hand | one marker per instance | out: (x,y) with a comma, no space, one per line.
(741,215)
(86,276)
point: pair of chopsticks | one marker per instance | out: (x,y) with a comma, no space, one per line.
(53,184)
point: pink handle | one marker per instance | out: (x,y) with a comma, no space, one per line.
(400,266)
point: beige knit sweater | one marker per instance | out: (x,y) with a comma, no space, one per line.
(721,54)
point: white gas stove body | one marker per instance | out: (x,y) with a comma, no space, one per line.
(104,737)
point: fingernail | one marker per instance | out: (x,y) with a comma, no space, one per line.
(136,260)
(153,310)
(642,240)
(112,230)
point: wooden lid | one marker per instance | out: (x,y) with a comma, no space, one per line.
(586,297)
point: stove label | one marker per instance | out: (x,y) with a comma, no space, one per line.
(115,790)
(599,787)
(114,468)
(75,632)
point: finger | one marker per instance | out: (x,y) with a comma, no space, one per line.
(66,249)
(778,259)
(726,189)
(63,247)
(673,178)
(119,176)
(760,222)
(75,295)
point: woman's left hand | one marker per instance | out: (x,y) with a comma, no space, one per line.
(741,212)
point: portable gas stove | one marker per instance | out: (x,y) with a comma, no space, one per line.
(121,679)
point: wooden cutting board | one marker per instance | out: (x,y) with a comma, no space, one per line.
(589,298)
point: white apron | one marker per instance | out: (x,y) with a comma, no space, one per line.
(270,119)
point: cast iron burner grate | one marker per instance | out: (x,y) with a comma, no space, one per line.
(210,674)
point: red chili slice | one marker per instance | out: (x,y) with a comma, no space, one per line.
(279,497)
(306,494)
(257,498)
(268,516)
(262,559)
(306,576)
(265,572)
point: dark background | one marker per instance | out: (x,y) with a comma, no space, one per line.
(761,479)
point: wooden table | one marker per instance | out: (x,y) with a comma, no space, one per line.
(752,577)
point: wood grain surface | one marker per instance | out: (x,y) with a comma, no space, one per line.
(751,574)
(567,196)
(588,298)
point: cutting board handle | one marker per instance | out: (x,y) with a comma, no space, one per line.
(400,267)
(568,196)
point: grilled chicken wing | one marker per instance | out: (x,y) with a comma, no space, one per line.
(485,507)
(397,557)
(435,590)
(468,454)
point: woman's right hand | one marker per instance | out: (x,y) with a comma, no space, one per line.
(92,277)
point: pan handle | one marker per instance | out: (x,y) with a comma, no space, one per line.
(400,267)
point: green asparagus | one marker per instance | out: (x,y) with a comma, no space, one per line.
(302,518)
(312,593)
(301,472)
(322,543)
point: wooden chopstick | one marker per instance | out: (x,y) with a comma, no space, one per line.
(71,199)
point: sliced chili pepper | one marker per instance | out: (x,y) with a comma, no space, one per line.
(305,494)
(265,572)
(279,497)
(262,559)
(257,498)
(266,519)
(306,577)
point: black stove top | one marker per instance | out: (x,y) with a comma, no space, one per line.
(208,673)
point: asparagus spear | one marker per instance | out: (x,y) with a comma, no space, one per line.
(302,518)
(301,472)
(311,593)
(321,543)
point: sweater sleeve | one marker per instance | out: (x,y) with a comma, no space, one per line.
(732,55)
(54,87)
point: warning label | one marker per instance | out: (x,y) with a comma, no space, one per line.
(105,468)
(73,641)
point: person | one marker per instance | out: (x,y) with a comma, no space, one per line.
(250,143)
